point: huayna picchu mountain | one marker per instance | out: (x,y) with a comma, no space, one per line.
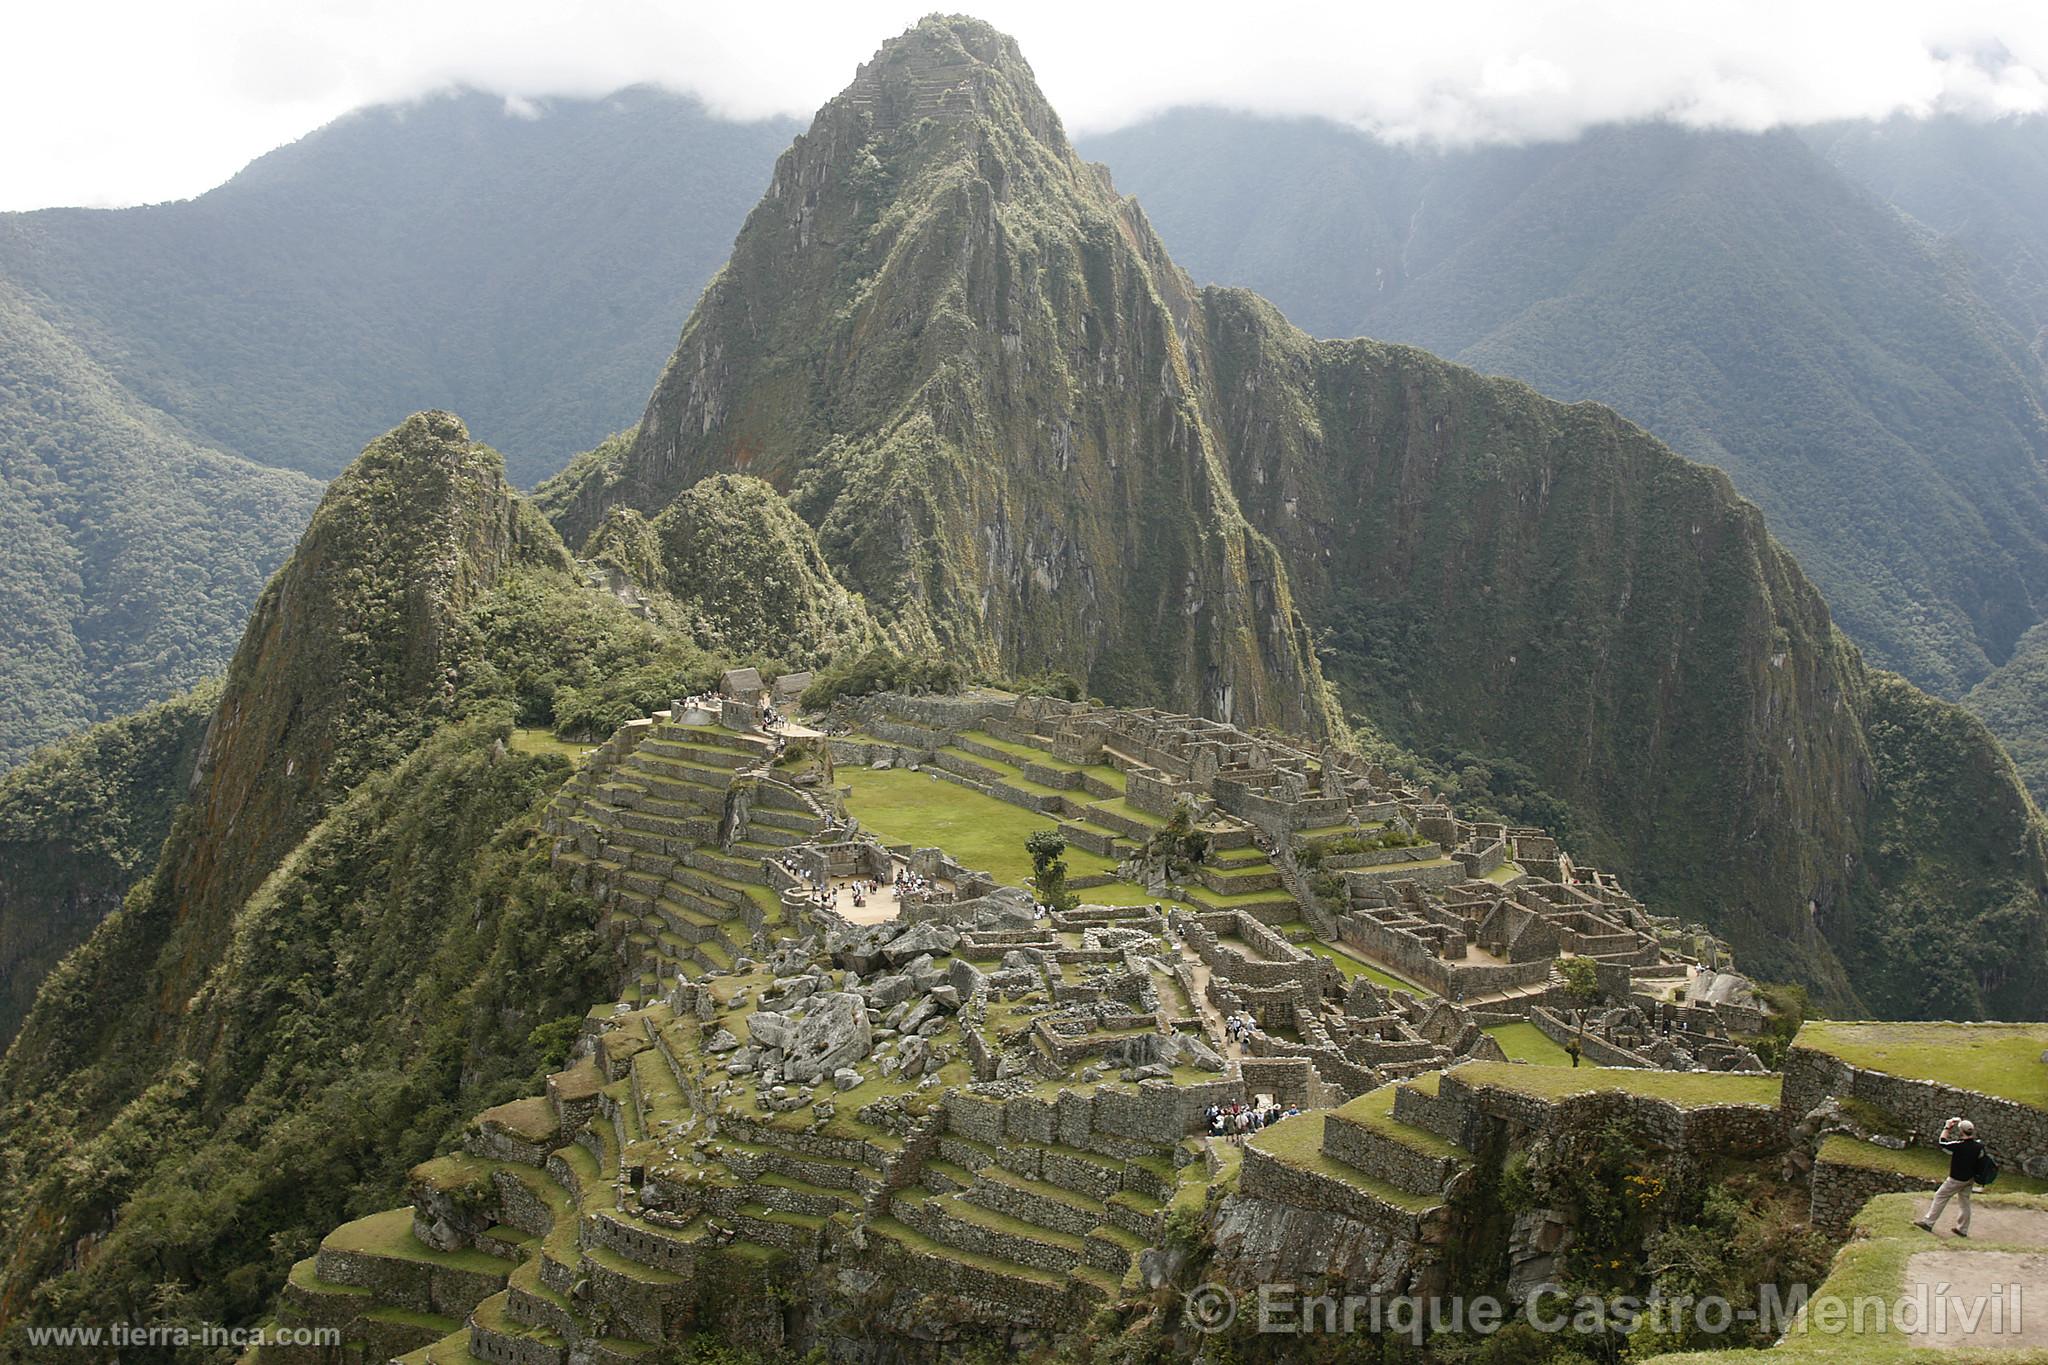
(1028,442)
(951,396)
(963,358)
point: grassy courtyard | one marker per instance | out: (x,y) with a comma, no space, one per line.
(903,807)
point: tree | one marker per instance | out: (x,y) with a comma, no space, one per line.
(1049,869)
(1581,980)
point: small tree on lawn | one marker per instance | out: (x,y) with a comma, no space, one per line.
(1049,869)
(1582,986)
(1581,980)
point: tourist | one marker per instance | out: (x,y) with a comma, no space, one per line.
(1959,1139)
(1572,1048)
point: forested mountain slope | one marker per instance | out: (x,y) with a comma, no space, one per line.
(79,825)
(451,252)
(128,554)
(1733,293)
(1982,185)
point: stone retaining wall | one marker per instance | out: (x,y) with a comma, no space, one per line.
(2014,1132)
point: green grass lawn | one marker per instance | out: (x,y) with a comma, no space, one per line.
(1526,1043)
(980,832)
(390,1234)
(1505,873)
(538,741)
(1687,1089)
(1997,1059)
(1354,966)
(1024,753)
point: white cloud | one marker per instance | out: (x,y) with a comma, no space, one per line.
(121,101)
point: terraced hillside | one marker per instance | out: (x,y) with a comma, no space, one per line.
(992,1108)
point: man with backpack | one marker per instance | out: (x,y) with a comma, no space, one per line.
(1965,1156)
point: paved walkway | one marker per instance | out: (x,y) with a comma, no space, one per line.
(1981,1300)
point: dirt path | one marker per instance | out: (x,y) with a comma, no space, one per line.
(1979,1299)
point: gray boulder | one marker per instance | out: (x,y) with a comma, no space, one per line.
(769,1029)
(834,1034)
(929,937)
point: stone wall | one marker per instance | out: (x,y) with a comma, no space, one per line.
(1701,1132)
(1840,1191)
(2016,1133)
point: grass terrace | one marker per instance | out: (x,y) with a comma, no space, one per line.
(1298,1142)
(1996,1059)
(981,832)
(1352,966)
(1922,1163)
(390,1234)
(1686,1089)
(1525,1042)
(527,740)
(1374,1110)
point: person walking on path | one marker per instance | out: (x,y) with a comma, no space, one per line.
(1959,1139)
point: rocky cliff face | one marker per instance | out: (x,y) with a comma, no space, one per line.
(964,359)
(1505,574)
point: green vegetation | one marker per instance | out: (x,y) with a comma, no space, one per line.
(2013,700)
(979,831)
(1525,1042)
(1685,1089)
(1049,869)
(80,823)
(882,670)
(1581,980)
(386,984)
(1313,854)
(1995,1059)
(129,555)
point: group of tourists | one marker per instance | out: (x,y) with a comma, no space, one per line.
(1239,1121)
(1238,1027)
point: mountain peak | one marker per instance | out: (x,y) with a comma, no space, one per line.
(948,70)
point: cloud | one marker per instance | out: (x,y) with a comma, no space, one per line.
(121,102)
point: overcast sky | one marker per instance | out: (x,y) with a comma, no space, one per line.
(105,102)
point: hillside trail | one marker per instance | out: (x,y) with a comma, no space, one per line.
(1993,1299)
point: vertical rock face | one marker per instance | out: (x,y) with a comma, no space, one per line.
(965,361)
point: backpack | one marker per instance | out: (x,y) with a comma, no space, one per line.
(1987,1168)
